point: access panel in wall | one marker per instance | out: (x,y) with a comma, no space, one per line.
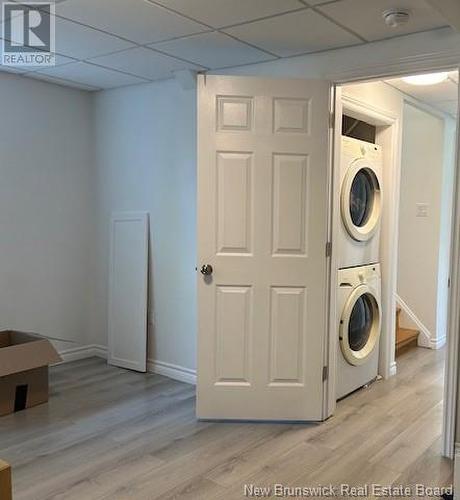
(128,289)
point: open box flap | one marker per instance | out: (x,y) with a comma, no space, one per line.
(22,351)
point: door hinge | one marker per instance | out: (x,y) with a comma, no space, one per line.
(325,373)
(328,249)
(448,282)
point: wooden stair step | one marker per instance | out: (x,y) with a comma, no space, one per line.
(406,337)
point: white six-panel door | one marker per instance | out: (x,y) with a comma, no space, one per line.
(262,226)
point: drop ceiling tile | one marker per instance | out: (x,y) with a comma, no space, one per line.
(144,62)
(13,69)
(219,13)
(318,2)
(81,42)
(445,91)
(92,75)
(294,33)
(137,20)
(34,1)
(60,81)
(59,61)
(365,17)
(213,50)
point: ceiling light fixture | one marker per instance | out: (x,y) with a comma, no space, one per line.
(394,18)
(427,79)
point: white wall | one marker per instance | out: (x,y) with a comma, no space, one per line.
(419,252)
(69,159)
(146,160)
(46,208)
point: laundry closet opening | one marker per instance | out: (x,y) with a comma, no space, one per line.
(395,171)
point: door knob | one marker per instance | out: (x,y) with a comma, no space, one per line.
(206,269)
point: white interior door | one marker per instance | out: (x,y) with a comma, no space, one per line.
(128,284)
(262,227)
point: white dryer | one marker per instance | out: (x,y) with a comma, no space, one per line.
(359,312)
(360,203)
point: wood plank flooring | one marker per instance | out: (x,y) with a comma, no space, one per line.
(112,434)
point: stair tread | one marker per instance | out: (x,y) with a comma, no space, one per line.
(404,335)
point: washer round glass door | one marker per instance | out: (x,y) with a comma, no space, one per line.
(359,325)
(360,201)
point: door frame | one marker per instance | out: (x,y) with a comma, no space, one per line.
(387,367)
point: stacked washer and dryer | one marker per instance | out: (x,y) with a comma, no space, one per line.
(359,284)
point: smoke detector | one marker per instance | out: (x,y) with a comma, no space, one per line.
(394,18)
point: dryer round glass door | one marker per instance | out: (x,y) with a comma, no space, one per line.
(360,201)
(361,198)
(360,325)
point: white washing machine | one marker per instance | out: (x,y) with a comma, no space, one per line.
(360,203)
(359,312)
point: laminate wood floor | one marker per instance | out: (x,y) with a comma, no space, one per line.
(108,433)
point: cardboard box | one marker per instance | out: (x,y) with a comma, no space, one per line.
(5,481)
(24,360)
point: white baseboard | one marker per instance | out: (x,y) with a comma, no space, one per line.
(154,366)
(172,371)
(425,339)
(432,343)
(83,352)
(100,351)
(438,343)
